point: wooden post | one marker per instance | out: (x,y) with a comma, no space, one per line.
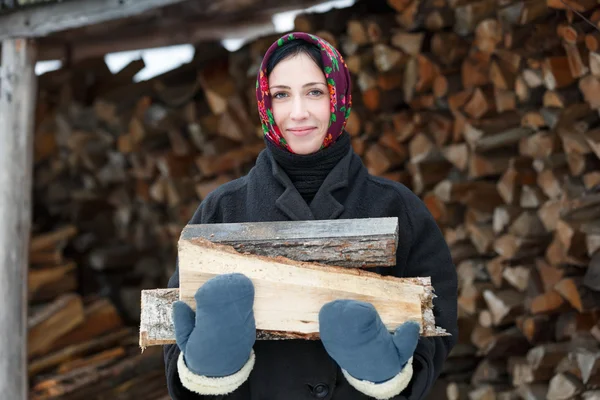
(17,102)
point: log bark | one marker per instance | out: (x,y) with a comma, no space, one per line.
(157,328)
(350,243)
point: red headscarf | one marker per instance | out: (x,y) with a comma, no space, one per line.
(338,80)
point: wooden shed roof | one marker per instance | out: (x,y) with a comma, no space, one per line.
(83,28)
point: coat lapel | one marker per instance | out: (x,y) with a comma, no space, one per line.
(290,202)
(324,205)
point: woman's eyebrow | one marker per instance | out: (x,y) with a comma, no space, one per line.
(305,85)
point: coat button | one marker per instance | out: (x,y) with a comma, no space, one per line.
(321,391)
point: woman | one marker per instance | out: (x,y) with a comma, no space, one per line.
(309,171)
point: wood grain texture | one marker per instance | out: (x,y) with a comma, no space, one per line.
(41,21)
(17,99)
(367,242)
(288,294)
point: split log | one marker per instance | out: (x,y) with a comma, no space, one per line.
(351,243)
(412,298)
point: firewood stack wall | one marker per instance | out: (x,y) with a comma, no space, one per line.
(487,110)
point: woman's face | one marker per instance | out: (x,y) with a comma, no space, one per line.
(300,101)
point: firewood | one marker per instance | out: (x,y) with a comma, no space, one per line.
(100,317)
(349,243)
(482,236)
(52,322)
(532,197)
(95,379)
(594,63)
(469,15)
(409,43)
(71,351)
(380,159)
(514,179)
(508,342)
(439,19)
(457,391)
(52,239)
(480,103)
(157,325)
(537,329)
(422,148)
(564,386)
(213,165)
(504,306)
(524,373)
(387,58)
(48,283)
(534,391)
(471,298)
(580,297)
(575,326)
(193,272)
(588,362)
(488,165)
(426,174)
(487,111)
(548,303)
(458,155)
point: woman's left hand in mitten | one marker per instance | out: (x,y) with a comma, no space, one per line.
(375,361)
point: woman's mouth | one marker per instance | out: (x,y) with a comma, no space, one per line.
(301,131)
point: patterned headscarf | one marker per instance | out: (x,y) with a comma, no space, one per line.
(338,80)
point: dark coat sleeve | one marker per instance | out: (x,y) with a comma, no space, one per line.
(429,255)
(206,213)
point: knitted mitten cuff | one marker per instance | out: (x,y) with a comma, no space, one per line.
(205,385)
(384,390)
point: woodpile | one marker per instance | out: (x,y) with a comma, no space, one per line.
(79,347)
(487,110)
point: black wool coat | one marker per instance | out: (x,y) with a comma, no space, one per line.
(302,370)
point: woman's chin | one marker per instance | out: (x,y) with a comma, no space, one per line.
(304,144)
(304,147)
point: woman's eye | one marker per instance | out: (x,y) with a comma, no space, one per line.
(279,95)
(316,92)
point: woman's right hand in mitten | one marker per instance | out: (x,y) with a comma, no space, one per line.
(216,341)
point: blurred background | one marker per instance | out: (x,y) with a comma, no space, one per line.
(487,109)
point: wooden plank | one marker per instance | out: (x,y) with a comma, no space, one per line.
(41,21)
(289,294)
(156,319)
(363,242)
(17,103)
(134,39)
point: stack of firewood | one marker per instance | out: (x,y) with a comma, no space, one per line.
(78,346)
(487,110)
(490,114)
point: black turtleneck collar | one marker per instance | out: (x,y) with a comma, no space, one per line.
(307,172)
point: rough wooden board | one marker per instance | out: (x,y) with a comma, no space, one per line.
(399,299)
(156,326)
(367,242)
(41,21)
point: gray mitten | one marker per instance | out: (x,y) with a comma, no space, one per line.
(216,341)
(375,361)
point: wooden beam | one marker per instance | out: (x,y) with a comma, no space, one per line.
(43,20)
(289,293)
(361,242)
(130,39)
(17,104)
(157,329)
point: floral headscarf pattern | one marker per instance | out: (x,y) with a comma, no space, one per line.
(338,80)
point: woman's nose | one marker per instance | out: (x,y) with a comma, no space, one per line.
(299,110)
